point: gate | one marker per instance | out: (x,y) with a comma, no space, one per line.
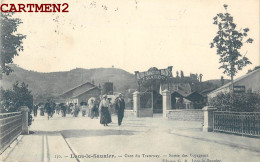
(157,102)
(146,104)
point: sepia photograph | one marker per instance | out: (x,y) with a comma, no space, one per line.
(129,81)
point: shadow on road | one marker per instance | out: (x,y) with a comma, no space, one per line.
(48,133)
(89,133)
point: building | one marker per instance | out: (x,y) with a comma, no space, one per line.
(81,93)
(182,97)
(182,88)
(247,83)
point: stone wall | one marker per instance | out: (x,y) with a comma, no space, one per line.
(185,115)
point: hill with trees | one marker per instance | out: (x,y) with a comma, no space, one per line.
(44,85)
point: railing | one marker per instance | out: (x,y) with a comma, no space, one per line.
(10,128)
(244,123)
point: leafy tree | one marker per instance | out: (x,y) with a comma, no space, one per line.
(12,100)
(10,42)
(228,42)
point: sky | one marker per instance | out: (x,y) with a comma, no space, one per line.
(133,35)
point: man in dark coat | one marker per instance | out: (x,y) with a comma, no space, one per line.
(120,108)
(35,109)
(48,108)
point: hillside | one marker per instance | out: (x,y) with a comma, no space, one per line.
(45,85)
(55,83)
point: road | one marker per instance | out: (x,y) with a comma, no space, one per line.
(138,139)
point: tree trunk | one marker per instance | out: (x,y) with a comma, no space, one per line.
(232,85)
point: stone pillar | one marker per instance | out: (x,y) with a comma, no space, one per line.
(25,127)
(136,98)
(208,118)
(166,102)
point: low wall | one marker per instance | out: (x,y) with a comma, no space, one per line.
(186,114)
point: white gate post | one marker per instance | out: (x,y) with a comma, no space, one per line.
(208,118)
(136,98)
(166,102)
(25,127)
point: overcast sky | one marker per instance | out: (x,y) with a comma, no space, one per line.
(133,35)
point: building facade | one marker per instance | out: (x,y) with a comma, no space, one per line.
(81,93)
(249,83)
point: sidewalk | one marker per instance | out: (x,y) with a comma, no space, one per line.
(242,142)
(40,146)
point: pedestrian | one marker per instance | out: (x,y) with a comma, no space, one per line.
(105,117)
(35,110)
(48,108)
(83,108)
(58,108)
(95,110)
(63,109)
(53,105)
(41,105)
(91,107)
(71,108)
(76,110)
(120,108)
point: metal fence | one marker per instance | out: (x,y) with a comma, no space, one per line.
(10,128)
(244,123)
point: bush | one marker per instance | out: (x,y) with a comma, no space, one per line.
(238,102)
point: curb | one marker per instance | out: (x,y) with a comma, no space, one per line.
(70,147)
(6,153)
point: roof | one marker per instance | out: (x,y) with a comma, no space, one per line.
(77,95)
(236,80)
(182,88)
(195,96)
(78,87)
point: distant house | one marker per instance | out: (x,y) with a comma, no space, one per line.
(182,97)
(81,93)
(247,83)
(182,88)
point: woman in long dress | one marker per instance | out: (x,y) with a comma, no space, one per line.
(105,116)
(91,106)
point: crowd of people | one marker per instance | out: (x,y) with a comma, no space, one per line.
(93,109)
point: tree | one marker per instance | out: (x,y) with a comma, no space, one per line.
(12,100)
(228,42)
(10,42)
